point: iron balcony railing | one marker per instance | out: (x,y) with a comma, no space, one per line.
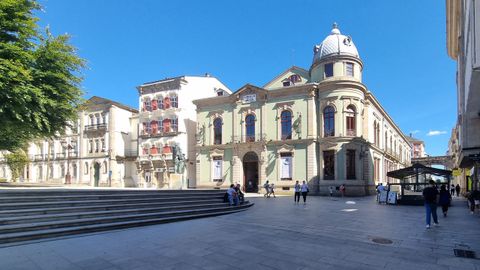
(250,138)
(102,126)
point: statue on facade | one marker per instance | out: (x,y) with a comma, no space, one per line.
(179,161)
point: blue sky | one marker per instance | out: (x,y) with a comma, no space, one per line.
(402,45)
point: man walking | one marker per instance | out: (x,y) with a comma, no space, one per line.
(266,186)
(430,195)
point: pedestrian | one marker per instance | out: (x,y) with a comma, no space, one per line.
(272,190)
(232,195)
(430,195)
(297,189)
(380,188)
(444,199)
(266,186)
(342,190)
(457,189)
(304,189)
(331,191)
(241,196)
(475,200)
(452,190)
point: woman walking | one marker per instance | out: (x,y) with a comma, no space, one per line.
(297,187)
(304,190)
(444,199)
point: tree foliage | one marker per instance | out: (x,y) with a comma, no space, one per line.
(39,77)
(16,161)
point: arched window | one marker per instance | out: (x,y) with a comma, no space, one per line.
(250,128)
(286,118)
(167,103)
(154,126)
(351,130)
(329,121)
(166,125)
(160,103)
(217,131)
(174,101)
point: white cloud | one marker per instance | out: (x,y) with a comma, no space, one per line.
(436,132)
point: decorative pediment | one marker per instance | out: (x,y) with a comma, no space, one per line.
(251,94)
(293,76)
(285,148)
(216,152)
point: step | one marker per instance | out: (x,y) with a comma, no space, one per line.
(37,198)
(92,214)
(59,210)
(9,206)
(99,220)
(59,192)
(50,233)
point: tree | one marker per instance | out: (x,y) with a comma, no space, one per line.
(39,77)
(16,161)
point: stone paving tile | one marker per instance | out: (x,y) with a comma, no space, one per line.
(274,234)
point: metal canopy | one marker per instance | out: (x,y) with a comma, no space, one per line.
(418,168)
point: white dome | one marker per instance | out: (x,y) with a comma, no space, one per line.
(335,44)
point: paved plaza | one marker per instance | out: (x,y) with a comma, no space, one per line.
(274,234)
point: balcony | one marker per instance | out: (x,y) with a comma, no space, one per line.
(95,127)
(259,137)
(165,133)
(159,156)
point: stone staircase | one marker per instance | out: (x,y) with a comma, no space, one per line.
(45,213)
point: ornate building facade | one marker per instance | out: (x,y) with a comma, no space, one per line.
(93,152)
(166,129)
(321,125)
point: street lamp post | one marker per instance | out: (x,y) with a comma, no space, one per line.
(68,147)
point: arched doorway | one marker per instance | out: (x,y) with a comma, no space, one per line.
(250,172)
(96,173)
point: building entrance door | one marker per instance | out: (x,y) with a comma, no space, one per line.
(250,172)
(96,173)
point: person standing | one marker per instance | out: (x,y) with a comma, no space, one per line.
(297,188)
(380,189)
(445,199)
(272,190)
(430,194)
(304,189)
(342,190)
(232,195)
(452,190)
(266,186)
(457,189)
(331,191)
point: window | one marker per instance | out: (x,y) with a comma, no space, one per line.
(349,69)
(147,129)
(295,78)
(351,164)
(386,141)
(286,166)
(97,116)
(376,170)
(74,169)
(250,128)
(329,165)
(160,103)
(92,120)
(167,103)
(166,125)
(103,146)
(90,146)
(219,93)
(217,131)
(329,121)
(351,131)
(50,171)
(167,149)
(160,126)
(328,70)
(174,124)
(217,169)
(105,167)
(86,168)
(153,150)
(375,139)
(154,127)
(286,83)
(154,105)
(147,105)
(104,118)
(145,151)
(286,119)
(174,101)
(97,145)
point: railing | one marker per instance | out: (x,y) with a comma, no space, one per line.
(158,156)
(259,137)
(102,126)
(145,134)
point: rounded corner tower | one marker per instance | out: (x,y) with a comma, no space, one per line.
(336,57)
